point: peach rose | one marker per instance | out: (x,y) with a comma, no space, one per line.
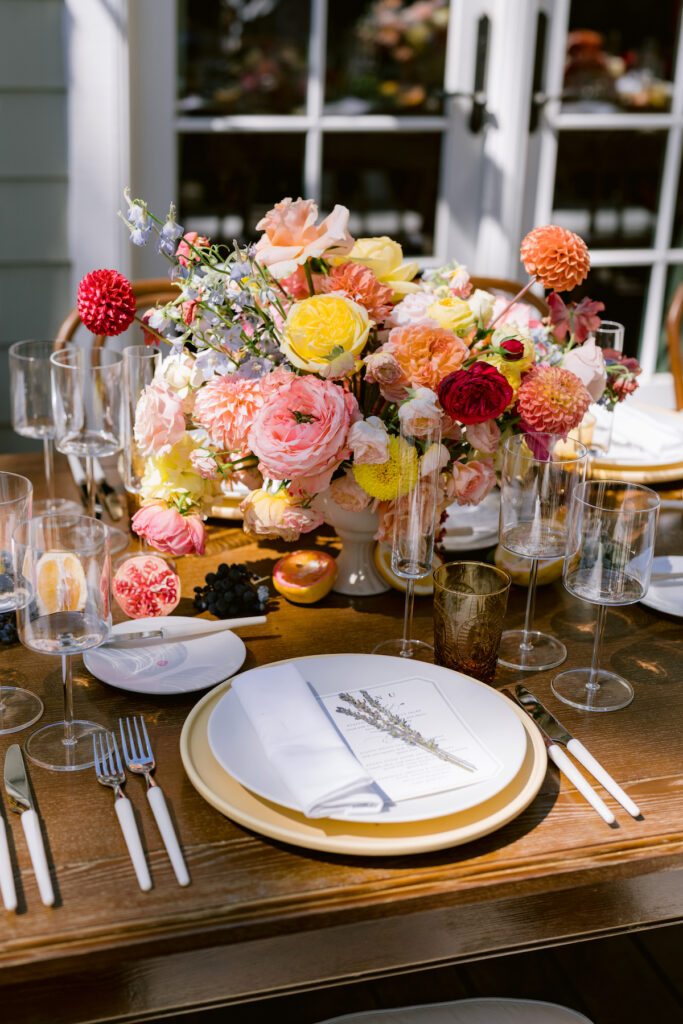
(369,441)
(382,368)
(347,493)
(277,515)
(485,437)
(167,530)
(159,419)
(588,363)
(292,236)
(471,481)
(421,415)
(426,354)
(435,458)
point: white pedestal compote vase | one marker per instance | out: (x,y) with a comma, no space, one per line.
(357,575)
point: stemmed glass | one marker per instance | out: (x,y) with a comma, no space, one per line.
(609,335)
(414,524)
(610,543)
(63,562)
(87,403)
(31,391)
(539,474)
(19,708)
(140,365)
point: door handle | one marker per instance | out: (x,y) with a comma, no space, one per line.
(479,115)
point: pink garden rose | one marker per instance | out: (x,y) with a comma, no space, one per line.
(159,419)
(167,530)
(277,515)
(204,463)
(412,310)
(300,434)
(588,363)
(369,441)
(485,436)
(471,481)
(348,494)
(292,236)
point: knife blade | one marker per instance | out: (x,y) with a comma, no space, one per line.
(20,800)
(564,763)
(110,498)
(557,732)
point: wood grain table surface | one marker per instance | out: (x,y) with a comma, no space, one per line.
(262,918)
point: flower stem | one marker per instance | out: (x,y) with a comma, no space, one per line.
(517,297)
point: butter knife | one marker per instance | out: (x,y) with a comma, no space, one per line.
(558,734)
(21,801)
(7,888)
(201,629)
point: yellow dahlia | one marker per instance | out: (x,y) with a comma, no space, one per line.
(552,400)
(397,475)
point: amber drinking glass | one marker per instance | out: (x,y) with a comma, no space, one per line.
(470,601)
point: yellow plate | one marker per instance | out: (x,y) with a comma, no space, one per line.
(224,793)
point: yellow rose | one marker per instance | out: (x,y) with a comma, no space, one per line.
(453,315)
(325,333)
(384,257)
(171,476)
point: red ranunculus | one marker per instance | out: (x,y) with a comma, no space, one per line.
(476,394)
(513,349)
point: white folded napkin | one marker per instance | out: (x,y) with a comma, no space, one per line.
(639,433)
(302,744)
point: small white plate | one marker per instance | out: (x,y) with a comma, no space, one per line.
(469,527)
(238,750)
(663,596)
(167,669)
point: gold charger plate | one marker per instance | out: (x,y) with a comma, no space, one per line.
(602,469)
(224,793)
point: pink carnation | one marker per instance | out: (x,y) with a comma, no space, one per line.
(300,434)
(226,407)
(167,530)
(360,284)
(471,481)
(159,419)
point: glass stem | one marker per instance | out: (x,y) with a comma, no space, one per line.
(90,485)
(593,683)
(530,607)
(67,682)
(48,456)
(406,647)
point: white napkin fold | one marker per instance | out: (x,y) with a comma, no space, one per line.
(638,432)
(302,744)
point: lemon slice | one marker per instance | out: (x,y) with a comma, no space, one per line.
(423,587)
(518,566)
(60,583)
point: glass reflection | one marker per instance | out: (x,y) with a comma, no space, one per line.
(623,291)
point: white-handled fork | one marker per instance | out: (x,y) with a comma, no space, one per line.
(110,773)
(137,752)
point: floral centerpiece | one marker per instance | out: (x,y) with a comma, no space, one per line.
(292,362)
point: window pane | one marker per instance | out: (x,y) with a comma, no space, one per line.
(242,58)
(673,279)
(386,56)
(624,62)
(389,183)
(228,182)
(623,290)
(677,237)
(607,186)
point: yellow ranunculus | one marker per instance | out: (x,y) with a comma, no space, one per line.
(512,370)
(384,257)
(325,333)
(171,476)
(453,314)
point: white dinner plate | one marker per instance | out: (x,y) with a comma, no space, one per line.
(166,669)
(469,527)
(662,596)
(237,749)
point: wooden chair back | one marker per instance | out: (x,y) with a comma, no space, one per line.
(673,340)
(511,288)
(148,292)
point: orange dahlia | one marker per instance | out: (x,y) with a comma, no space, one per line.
(426,354)
(556,256)
(552,400)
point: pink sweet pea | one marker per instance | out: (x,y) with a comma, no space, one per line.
(167,530)
(292,236)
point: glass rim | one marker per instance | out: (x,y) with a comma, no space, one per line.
(14,352)
(68,519)
(484,565)
(517,438)
(149,350)
(609,325)
(63,356)
(617,485)
(18,497)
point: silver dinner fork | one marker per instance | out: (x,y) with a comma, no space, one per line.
(109,771)
(137,752)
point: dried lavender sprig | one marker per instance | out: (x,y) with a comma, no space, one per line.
(372,712)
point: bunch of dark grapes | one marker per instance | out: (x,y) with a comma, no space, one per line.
(8,628)
(230,592)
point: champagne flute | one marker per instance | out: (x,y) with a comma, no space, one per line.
(539,474)
(140,365)
(610,543)
(64,564)
(608,336)
(30,388)
(19,708)
(414,525)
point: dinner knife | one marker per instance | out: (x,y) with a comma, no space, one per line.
(21,801)
(111,500)
(201,629)
(564,763)
(558,734)
(9,893)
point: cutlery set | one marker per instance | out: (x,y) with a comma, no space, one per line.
(109,770)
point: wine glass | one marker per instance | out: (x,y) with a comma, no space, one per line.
(609,335)
(414,524)
(31,391)
(610,542)
(539,474)
(87,404)
(19,708)
(64,564)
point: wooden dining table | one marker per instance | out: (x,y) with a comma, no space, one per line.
(262,918)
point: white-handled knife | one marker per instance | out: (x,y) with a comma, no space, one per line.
(202,628)
(21,802)
(7,888)
(557,733)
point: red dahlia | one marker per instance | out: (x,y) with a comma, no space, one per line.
(106,303)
